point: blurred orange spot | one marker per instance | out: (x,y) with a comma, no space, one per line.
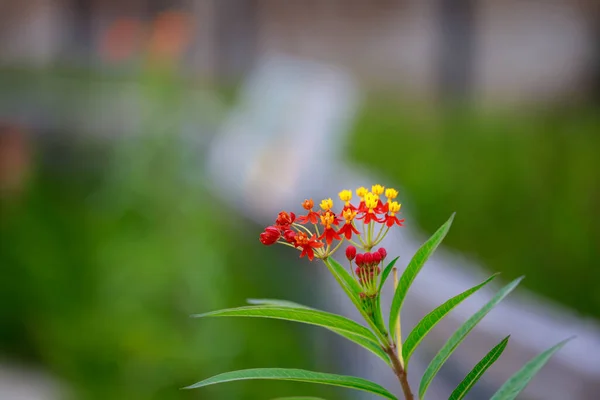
(121,39)
(171,33)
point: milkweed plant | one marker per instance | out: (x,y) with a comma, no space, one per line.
(318,235)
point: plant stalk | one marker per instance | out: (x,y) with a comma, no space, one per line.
(399,371)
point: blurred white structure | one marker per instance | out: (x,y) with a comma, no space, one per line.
(285,141)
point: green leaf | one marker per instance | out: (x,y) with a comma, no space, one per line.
(413,269)
(298,375)
(386,272)
(277,303)
(366,343)
(460,334)
(306,315)
(344,275)
(431,319)
(516,383)
(472,377)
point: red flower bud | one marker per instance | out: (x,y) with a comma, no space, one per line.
(376,257)
(350,253)
(269,236)
(290,236)
(368,258)
(358,271)
(360,259)
(383,252)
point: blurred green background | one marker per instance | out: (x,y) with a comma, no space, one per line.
(111,236)
(112,244)
(525,186)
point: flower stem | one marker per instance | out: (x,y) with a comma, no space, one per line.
(399,371)
(397,328)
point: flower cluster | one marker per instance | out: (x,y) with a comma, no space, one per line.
(319,233)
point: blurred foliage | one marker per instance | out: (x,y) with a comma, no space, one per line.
(111,247)
(525,186)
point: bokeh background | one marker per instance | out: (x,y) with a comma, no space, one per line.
(113,231)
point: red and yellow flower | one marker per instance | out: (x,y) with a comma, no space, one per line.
(319,242)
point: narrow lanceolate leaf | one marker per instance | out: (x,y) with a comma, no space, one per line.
(386,272)
(298,375)
(460,334)
(306,315)
(277,303)
(413,268)
(472,377)
(366,343)
(516,383)
(431,319)
(344,275)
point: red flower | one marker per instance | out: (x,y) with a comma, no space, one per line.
(370,216)
(383,252)
(284,220)
(328,219)
(270,235)
(390,220)
(312,216)
(347,230)
(307,245)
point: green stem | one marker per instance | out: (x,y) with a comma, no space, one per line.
(383,338)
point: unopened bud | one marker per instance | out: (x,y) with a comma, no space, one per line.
(360,260)
(350,253)
(383,252)
(368,258)
(376,257)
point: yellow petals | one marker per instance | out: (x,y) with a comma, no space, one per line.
(394,207)
(327,204)
(328,219)
(371,200)
(345,195)
(377,189)
(391,194)
(349,215)
(361,191)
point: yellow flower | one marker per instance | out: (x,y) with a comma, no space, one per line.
(327,204)
(391,194)
(349,215)
(371,201)
(377,189)
(346,196)
(394,207)
(361,192)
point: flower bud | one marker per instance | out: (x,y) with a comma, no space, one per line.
(269,236)
(360,260)
(377,257)
(358,271)
(383,252)
(350,253)
(290,236)
(368,258)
